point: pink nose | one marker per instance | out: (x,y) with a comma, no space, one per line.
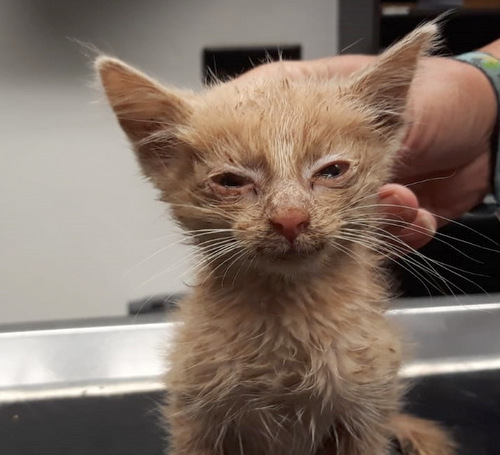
(290,223)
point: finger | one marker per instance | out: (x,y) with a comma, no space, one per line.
(421,231)
(398,203)
(405,219)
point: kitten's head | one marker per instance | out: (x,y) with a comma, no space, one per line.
(280,173)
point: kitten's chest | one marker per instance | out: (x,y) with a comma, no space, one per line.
(272,391)
(286,378)
(286,356)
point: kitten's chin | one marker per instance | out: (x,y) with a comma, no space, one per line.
(292,262)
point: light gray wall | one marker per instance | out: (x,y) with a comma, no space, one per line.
(81,233)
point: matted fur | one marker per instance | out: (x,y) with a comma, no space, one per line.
(284,348)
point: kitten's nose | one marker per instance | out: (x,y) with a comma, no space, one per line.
(290,223)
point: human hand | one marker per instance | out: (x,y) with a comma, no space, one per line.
(444,165)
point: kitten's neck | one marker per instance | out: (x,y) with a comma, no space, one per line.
(267,313)
(339,279)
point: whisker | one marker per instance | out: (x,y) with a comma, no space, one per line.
(430,179)
(448,220)
(437,235)
(437,238)
(384,234)
(234,261)
(180,241)
(422,278)
(206,249)
(238,251)
(429,261)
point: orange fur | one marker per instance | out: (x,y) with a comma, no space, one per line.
(284,347)
(421,437)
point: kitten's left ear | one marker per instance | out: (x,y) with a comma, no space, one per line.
(384,86)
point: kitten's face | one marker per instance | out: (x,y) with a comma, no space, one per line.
(288,168)
(279,174)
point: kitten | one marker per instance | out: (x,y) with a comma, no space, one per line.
(284,347)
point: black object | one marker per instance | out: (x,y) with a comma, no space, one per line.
(105,425)
(467,404)
(358,26)
(222,63)
(464,30)
(154,304)
(396,448)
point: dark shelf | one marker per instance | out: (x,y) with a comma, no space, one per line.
(465,30)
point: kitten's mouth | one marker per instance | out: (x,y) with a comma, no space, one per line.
(292,262)
(294,253)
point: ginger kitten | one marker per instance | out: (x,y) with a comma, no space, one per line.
(285,348)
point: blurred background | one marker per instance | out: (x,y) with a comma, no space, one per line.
(78,222)
(81,234)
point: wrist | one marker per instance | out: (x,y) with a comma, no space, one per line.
(488,66)
(452,110)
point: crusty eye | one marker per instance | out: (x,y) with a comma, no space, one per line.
(229,183)
(335,174)
(230,180)
(333,170)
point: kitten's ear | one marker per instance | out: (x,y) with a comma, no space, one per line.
(142,105)
(384,86)
(149,113)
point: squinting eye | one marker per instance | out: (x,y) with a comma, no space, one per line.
(229,184)
(332,175)
(229,180)
(333,170)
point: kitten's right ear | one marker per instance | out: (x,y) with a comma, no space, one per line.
(384,86)
(141,104)
(147,112)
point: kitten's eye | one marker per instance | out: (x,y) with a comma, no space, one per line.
(333,170)
(332,175)
(229,183)
(229,180)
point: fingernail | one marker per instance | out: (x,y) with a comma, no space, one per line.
(393,207)
(392,199)
(429,223)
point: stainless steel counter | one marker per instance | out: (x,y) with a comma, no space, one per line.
(93,387)
(447,335)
